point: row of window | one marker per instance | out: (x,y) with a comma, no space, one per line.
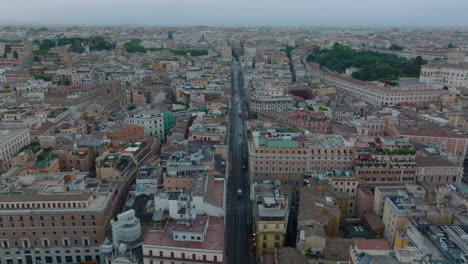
(383,179)
(43,205)
(304,162)
(332,152)
(45,243)
(44,233)
(183,255)
(42,218)
(42,224)
(50,259)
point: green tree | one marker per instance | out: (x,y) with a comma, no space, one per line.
(46,44)
(15,54)
(396,47)
(7,48)
(451,46)
(134,46)
(373,65)
(418,60)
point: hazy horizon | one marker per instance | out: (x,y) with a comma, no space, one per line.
(332,13)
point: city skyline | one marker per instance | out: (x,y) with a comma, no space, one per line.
(336,13)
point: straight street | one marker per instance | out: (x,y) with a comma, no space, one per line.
(238,230)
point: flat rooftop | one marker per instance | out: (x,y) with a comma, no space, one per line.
(214,237)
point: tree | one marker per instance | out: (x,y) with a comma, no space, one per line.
(134,46)
(46,44)
(373,65)
(396,47)
(451,46)
(7,48)
(418,60)
(15,54)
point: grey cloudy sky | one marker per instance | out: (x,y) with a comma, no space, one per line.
(420,13)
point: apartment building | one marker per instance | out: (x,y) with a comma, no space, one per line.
(266,97)
(138,97)
(80,159)
(183,169)
(288,155)
(151,120)
(52,218)
(444,73)
(381,193)
(200,240)
(270,217)
(12,77)
(11,141)
(2,76)
(125,132)
(207,133)
(315,122)
(319,206)
(381,95)
(453,144)
(205,197)
(377,167)
(340,181)
(117,165)
(83,76)
(435,169)
(397,210)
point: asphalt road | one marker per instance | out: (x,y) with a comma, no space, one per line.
(238,246)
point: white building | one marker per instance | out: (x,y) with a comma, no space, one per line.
(11,140)
(151,120)
(199,201)
(2,76)
(381,95)
(126,229)
(32,86)
(444,73)
(84,76)
(270,98)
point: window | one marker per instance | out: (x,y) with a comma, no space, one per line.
(45,243)
(25,243)
(5,244)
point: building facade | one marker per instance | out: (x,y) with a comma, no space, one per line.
(52,226)
(151,120)
(11,141)
(288,156)
(383,96)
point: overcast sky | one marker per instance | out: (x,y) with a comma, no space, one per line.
(419,13)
